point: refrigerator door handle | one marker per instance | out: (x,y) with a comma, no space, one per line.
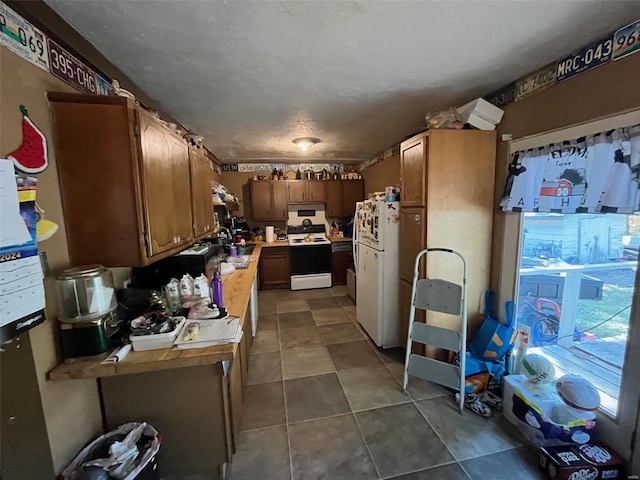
(354,242)
(355,255)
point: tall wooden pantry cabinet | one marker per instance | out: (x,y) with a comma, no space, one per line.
(447,184)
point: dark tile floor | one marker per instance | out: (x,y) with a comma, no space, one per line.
(323,403)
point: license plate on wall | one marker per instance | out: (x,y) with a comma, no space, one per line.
(71,70)
(587,58)
(626,40)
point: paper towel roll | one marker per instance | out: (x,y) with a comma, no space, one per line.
(270,235)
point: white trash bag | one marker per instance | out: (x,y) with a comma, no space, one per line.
(116,452)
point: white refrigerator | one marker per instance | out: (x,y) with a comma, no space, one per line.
(375,252)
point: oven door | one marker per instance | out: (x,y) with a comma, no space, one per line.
(310,260)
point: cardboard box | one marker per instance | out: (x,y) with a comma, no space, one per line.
(477,121)
(590,461)
(483,109)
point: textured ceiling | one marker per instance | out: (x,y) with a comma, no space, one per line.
(359,75)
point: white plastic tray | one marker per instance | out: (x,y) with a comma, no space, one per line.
(140,343)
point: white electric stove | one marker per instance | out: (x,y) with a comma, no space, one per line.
(310,257)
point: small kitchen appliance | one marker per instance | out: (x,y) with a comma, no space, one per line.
(86,311)
(197,260)
(310,256)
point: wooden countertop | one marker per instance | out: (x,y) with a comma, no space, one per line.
(276,243)
(237,292)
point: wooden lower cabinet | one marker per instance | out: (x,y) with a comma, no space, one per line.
(274,268)
(413,233)
(187,407)
(237,376)
(340,260)
(236,399)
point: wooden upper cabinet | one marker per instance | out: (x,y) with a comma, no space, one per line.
(280,210)
(413,171)
(315,191)
(129,172)
(156,165)
(297,191)
(306,191)
(201,196)
(183,217)
(334,198)
(352,192)
(341,196)
(167,189)
(268,200)
(260,200)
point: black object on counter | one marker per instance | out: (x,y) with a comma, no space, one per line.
(158,274)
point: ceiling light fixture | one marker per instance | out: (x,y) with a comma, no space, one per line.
(305,143)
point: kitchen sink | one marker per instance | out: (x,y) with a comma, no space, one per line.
(246,250)
(241,261)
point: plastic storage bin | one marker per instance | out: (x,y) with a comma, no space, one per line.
(140,343)
(541,415)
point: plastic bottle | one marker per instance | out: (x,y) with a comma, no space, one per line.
(216,290)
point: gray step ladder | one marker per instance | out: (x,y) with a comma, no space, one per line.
(443,296)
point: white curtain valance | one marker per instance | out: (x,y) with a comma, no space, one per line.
(598,173)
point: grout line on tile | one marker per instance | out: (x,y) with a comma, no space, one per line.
(359,429)
(464,470)
(383,406)
(501,450)
(298,422)
(434,430)
(373,462)
(341,343)
(284,398)
(263,428)
(396,475)
(311,375)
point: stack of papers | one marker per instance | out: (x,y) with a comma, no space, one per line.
(210,333)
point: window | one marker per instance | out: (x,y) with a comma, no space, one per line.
(575,289)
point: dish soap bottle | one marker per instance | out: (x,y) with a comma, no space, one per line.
(298,175)
(216,293)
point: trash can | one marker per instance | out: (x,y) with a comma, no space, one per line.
(126,453)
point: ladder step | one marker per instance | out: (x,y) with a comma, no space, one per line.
(437,336)
(435,371)
(439,296)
